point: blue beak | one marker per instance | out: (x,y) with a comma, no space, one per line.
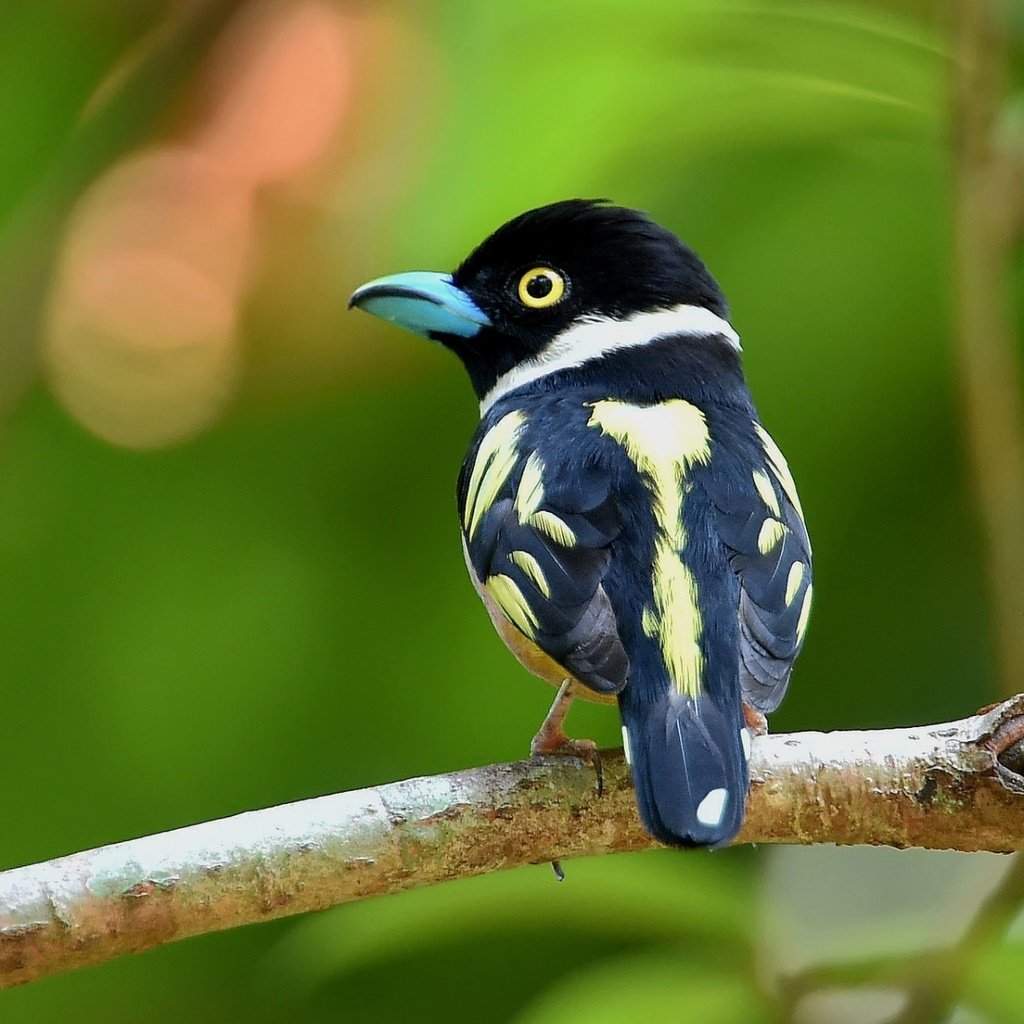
(424,303)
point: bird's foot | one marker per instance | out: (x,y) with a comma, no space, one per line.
(552,742)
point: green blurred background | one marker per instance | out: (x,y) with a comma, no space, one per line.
(227,527)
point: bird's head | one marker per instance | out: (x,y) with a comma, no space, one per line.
(554,287)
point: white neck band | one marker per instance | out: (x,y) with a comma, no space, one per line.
(592,337)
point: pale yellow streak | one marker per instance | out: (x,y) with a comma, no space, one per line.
(511,601)
(552,526)
(805,614)
(767,492)
(532,568)
(530,495)
(796,577)
(780,467)
(495,459)
(665,441)
(677,621)
(649,621)
(770,535)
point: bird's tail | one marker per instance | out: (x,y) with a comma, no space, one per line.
(689,762)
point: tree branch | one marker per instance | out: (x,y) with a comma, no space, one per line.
(956,786)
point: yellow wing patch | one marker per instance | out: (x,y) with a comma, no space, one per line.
(533,570)
(772,531)
(554,527)
(530,494)
(664,441)
(530,497)
(805,613)
(495,459)
(778,465)
(511,601)
(767,492)
(793,581)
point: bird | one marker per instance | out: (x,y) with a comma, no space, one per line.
(632,528)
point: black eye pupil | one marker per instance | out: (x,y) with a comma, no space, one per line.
(539,286)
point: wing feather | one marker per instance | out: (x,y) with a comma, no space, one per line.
(762,527)
(548,532)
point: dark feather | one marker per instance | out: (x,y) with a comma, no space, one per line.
(769,635)
(576,624)
(688,764)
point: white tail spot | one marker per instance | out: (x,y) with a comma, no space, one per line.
(711,809)
(625,746)
(745,742)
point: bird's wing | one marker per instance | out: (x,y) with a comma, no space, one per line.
(762,526)
(538,539)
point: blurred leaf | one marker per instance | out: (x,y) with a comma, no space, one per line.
(659,988)
(892,903)
(994,985)
(51,56)
(683,78)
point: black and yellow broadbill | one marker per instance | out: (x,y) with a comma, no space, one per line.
(632,529)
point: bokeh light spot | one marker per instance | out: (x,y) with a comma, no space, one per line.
(282,79)
(141,336)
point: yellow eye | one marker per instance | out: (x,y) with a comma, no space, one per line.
(541,287)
